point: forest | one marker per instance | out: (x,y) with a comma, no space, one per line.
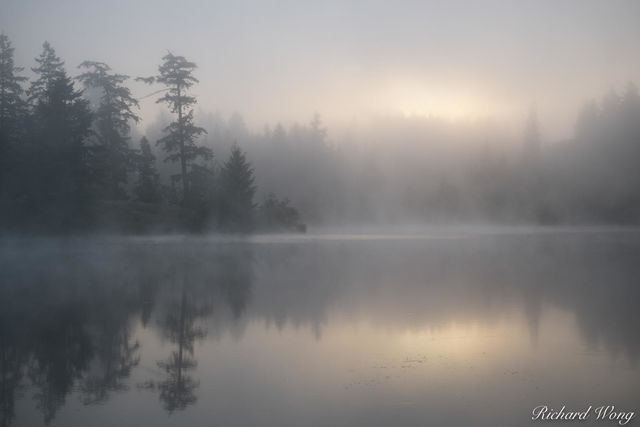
(72,158)
(69,162)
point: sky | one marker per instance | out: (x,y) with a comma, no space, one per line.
(351,60)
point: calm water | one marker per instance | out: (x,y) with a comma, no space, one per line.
(451,328)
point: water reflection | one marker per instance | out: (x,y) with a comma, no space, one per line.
(179,326)
(75,315)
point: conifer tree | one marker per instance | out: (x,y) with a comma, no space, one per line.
(112,157)
(238,190)
(12,111)
(147,188)
(12,106)
(176,74)
(59,170)
(50,67)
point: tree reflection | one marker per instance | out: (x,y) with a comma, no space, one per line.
(199,288)
(115,357)
(180,326)
(11,366)
(69,326)
(177,390)
(234,278)
(61,351)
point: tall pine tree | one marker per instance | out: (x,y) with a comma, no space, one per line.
(176,74)
(112,158)
(12,105)
(59,175)
(12,112)
(238,189)
(50,67)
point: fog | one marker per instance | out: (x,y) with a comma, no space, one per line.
(349,213)
(358,112)
(282,61)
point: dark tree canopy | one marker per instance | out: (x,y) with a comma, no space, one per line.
(66,155)
(12,105)
(279,214)
(111,153)
(59,175)
(50,67)
(148,187)
(12,112)
(238,191)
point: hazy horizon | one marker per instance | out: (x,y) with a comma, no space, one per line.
(353,61)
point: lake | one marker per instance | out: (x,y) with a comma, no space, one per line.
(453,326)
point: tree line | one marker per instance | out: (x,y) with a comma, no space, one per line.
(417,169)
(67,161)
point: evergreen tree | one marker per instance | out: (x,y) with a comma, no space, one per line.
(59,175)
(12,106)
(148,187)
(50,68)
(176,74)
(12,111)
(112,156)
(238,190)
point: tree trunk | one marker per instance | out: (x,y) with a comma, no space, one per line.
(183,160)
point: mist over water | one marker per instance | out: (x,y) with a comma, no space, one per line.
(474,326)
